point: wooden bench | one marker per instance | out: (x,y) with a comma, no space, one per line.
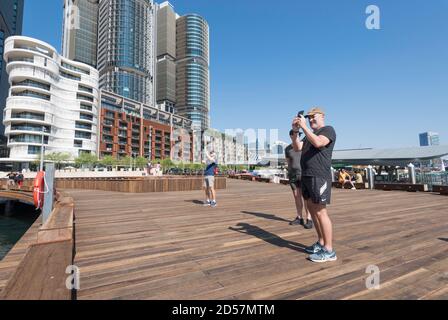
(357,185)
(443,190)
(402,187)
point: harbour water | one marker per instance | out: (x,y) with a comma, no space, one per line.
(14,224)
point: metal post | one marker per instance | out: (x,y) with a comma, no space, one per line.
(41,168)
(371,177)
(411,171)
(49,190)
(332,175)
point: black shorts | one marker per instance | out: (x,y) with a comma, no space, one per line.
(295,182)
(317,189)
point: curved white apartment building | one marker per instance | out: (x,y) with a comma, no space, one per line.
(50,97)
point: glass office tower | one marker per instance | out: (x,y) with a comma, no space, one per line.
(192,70)
(11,18)
(126,49)
(80,31)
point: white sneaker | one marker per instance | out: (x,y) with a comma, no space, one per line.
(207,203)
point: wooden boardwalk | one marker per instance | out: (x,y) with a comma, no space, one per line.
(167,246)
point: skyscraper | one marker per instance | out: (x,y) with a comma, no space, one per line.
(192,70)
(11,17)
(126,47)
(80,31)
(429,139)
(166,58)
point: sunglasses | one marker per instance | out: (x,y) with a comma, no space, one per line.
(312,116)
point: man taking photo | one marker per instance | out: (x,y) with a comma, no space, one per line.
(317,149)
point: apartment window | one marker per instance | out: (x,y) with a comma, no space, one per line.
(84,97)
(81,125)
(77,143)
(84,88)
(70,67)
(33,150)
(69,76)
(83,135)
(86,107)
(84,116)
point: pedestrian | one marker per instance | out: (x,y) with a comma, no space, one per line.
(11,180)
(209,179)
(20,179)
(317,148)
(295,181)
(344,178)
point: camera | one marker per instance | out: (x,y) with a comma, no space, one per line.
(301,113)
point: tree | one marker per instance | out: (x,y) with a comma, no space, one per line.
(166,164)
(126,161)
(141,162)
(86,159)
(58,158)
(109,161)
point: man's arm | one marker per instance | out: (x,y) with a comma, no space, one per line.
(317,141)
(297,144)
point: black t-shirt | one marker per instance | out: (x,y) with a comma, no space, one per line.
(317,162)
(294,157)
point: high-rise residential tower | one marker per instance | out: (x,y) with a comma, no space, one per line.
(192,70)
(126,59)
(53,102)
(80,31)
(11,17)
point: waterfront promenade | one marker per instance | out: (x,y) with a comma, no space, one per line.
(167,246)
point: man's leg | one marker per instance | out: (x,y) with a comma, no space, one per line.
(212,194)
(325,226)
(207,191)
(297,193)
(313,209)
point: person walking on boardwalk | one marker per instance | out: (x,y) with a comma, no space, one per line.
(317,148)
(209,178)
(295,181)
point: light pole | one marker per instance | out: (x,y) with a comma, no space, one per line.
(42,150)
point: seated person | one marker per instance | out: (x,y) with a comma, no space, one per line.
(344,178)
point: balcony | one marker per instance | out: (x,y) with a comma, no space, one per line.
(31,94)
(28,115)
(29,127)
(34,49)
(84,116)
(32,83)
(27,138)
(84,97)
(21,59)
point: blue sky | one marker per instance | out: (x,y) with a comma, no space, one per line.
(380,88)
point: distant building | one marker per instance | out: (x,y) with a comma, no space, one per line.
(429,139)
(131,128)
(228,149)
